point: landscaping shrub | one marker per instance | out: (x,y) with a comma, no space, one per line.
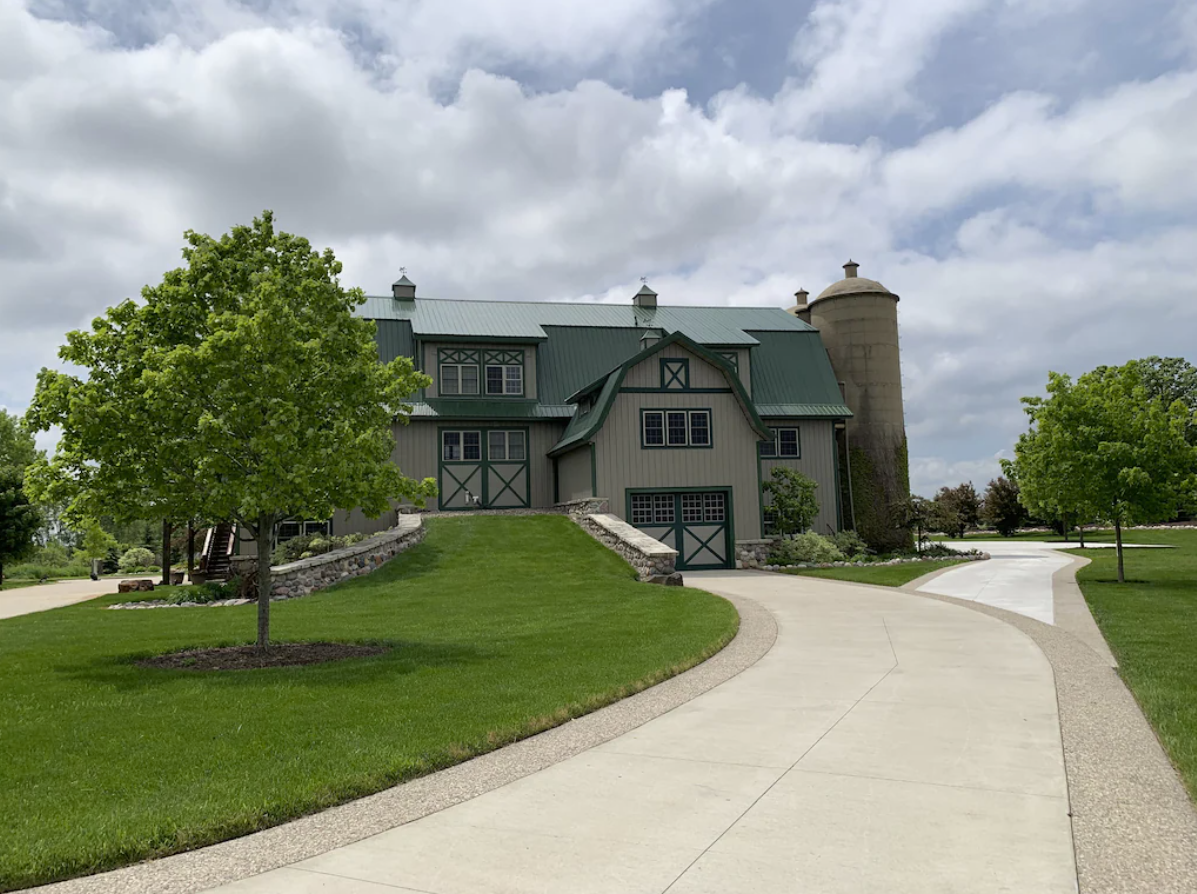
(308,545)
(212,591)
(803,548)
(850,544)
(136,559)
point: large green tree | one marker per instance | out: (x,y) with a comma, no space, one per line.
(956,509)
(242,387)
(19,521)
(1104,446)
(17,449)
(794,505)
(1000,506)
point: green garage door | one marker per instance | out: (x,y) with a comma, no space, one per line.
(695,523)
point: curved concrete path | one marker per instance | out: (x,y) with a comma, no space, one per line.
(886,743)
(41,597)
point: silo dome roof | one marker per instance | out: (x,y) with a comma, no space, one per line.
(853,285)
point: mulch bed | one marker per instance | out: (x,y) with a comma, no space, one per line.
(248,657)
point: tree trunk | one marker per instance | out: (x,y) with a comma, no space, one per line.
(1081,529)
(167,528)
(1,574)
(190,547)
(264,535)
(1118,542)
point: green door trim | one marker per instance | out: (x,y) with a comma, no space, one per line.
(678,526)
(484,466)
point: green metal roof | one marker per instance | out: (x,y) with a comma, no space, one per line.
(583,428)
(792,376)
(394,339)
(576,355)
(525,320)
(480,408)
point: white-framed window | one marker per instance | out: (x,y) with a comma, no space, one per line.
(509,446)
(457,446)
(506,379)
(785,444)
(294,527)
(642,509)
(675,428)
(459,378)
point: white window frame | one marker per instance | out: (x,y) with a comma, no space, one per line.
(775,444)
(461,445)
(507,436)
(512,382)
(458,368)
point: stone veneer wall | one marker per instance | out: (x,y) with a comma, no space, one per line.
(308,575)
(584,506)
(651,558)
(752,553)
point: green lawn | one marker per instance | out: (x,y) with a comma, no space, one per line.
(500,627)
(1150,623)
(10,584)
(882,575)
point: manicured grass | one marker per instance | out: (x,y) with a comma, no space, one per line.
(10,584)
(881,575)
(499,627)
(1150,623)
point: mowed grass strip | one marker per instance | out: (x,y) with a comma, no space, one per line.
(1150,623)
(499,627)
(881,575)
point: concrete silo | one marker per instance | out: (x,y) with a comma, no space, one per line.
(858,321)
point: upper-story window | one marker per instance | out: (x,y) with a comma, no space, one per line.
(785,444)
(459,372)
(675,428)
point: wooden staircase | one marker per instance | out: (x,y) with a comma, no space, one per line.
(216,558)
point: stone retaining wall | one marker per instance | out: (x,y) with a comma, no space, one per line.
(308,575)
(652,559)
(752,553)
(584,506)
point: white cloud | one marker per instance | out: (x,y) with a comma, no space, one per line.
(1057,236)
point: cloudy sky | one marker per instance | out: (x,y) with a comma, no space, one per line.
(1022,172)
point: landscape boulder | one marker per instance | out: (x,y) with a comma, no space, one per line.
(135,586)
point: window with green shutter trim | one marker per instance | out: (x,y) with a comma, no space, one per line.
(786,444)
(675,428)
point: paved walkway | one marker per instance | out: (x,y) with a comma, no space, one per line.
(1018,577)
(886,743)
(38,598)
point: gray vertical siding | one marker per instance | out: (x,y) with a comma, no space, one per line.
(817,439)
(430,366)
(574,474)
(730,462)
(648,373)
(417,450)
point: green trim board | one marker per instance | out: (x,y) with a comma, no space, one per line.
(689,413)
(583,429)
(675,373)
(677,528)
(675,391)
(496,482)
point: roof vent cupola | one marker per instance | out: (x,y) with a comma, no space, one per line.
(850,269)
(646,297)
(403,288)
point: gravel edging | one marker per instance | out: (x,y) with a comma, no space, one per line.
(1134,827)
(309,836)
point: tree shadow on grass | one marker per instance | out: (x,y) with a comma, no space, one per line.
(122,673)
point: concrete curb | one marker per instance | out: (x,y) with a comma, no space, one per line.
(309,836)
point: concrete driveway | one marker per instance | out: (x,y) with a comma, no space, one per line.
(40,597)
(886,743)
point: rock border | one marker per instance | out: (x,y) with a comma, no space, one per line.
(651,558)
(233,860)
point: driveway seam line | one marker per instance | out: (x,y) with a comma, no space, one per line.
(967,788)
(782,776)
(368,881)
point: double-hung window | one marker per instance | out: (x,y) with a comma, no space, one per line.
(459,378)
(507,379)
(675,428)
(507,446)
(785,444)
(457,446)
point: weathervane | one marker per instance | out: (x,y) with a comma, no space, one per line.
(644,279)
(403,271)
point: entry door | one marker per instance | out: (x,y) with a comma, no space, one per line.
(484,469)
(695,523)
